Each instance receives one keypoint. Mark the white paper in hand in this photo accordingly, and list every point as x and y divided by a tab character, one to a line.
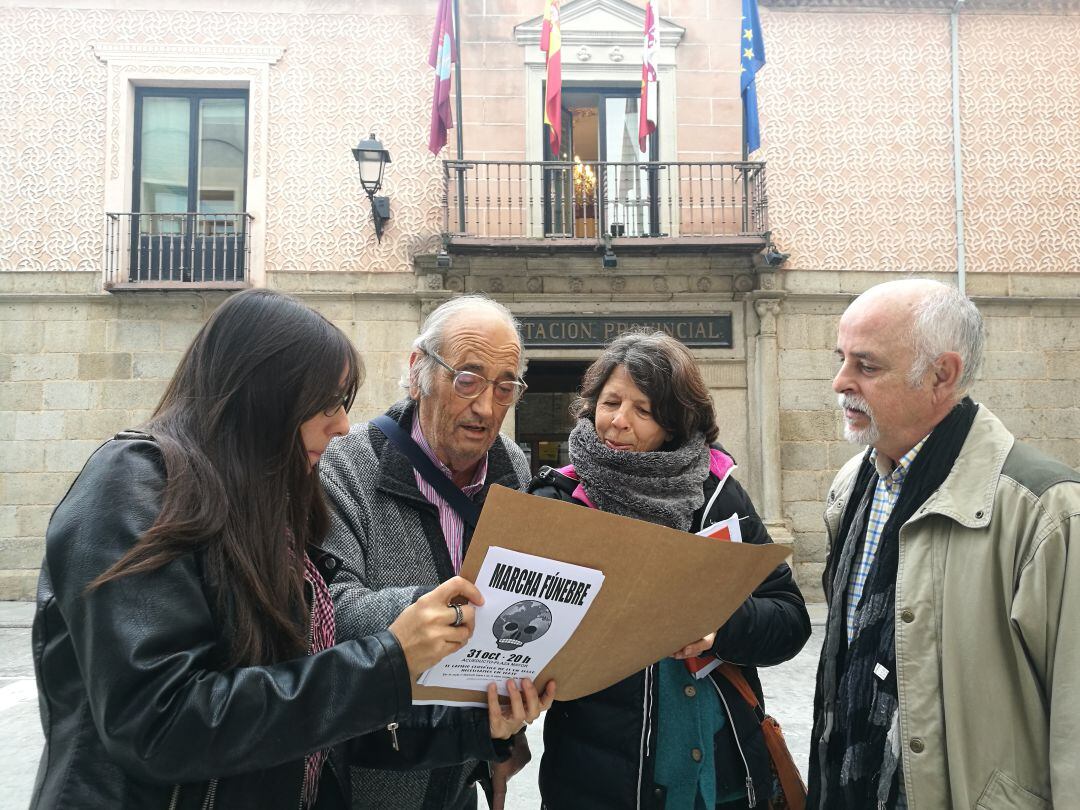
725	529
532	605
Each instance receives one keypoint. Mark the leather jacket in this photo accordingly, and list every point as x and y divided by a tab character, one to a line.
136	707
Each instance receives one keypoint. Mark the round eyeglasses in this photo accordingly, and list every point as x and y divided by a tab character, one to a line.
470	385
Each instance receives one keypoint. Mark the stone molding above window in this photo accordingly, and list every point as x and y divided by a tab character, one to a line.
147	65
600	23
966	6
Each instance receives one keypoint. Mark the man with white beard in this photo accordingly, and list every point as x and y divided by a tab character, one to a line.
950	669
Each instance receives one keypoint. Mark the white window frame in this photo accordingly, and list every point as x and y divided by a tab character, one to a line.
195	66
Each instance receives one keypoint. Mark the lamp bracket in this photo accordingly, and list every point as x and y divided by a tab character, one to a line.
380	214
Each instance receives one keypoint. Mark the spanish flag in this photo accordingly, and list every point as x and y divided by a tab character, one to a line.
551	45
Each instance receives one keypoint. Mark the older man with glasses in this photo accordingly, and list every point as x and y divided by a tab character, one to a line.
405	490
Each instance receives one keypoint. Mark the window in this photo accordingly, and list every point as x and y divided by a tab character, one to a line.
611	188
189	220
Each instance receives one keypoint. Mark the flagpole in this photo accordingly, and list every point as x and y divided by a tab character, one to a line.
745	153
745	170
460	121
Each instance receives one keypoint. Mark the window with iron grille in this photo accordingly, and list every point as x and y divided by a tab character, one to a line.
188	222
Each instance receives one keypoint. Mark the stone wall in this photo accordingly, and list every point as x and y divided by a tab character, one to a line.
1029	380
77	365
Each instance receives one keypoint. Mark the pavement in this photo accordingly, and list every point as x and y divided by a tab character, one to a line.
788	687
20	724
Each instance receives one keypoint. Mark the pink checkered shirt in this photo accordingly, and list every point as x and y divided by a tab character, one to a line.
322	638
453	527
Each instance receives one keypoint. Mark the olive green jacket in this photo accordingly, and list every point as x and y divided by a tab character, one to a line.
987	629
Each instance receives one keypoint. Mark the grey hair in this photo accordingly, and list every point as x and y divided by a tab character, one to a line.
433	336
947	321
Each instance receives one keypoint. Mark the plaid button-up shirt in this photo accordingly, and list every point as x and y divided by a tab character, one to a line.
453	527
885	496
323	633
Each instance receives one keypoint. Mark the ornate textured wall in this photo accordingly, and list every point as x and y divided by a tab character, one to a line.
342	75
52	141
855	113
856	109
855	106
1020	119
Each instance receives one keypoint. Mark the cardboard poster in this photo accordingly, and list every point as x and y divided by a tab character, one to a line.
532	606
662	588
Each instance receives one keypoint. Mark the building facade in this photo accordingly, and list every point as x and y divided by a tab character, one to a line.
157	157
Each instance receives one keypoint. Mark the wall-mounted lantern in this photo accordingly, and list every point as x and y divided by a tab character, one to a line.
371	158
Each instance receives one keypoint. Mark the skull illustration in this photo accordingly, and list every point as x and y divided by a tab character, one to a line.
521	623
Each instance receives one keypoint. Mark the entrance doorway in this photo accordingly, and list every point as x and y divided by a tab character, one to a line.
542	419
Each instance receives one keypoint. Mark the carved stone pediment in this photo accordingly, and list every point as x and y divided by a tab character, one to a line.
600	22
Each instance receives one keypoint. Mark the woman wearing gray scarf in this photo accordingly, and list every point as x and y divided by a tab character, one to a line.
663	738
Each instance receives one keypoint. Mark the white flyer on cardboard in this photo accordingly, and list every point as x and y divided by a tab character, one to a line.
532	605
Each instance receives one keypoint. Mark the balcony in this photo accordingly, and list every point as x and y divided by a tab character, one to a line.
182	250
553	205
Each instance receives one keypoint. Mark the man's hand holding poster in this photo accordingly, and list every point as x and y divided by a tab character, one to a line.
532	605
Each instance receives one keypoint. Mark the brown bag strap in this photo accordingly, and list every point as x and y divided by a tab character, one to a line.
738	680
791	781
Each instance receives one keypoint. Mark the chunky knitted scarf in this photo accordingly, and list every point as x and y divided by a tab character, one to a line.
662	486
861	763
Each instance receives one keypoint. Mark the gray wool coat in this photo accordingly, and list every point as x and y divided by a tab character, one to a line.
392	550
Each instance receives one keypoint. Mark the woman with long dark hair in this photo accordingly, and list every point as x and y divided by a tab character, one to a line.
644	447
184	639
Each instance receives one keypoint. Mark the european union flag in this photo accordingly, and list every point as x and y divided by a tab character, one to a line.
752	47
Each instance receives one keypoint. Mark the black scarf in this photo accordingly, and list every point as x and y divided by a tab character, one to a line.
862	759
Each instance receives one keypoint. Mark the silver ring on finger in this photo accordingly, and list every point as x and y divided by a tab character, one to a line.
459	616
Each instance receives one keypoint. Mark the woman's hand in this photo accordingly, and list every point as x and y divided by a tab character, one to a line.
695	648
426	630
505	721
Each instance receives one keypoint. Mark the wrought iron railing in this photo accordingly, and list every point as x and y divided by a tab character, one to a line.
177	249
591	200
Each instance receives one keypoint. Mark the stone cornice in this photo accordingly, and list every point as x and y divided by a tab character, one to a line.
122	53
967	6
1032	288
